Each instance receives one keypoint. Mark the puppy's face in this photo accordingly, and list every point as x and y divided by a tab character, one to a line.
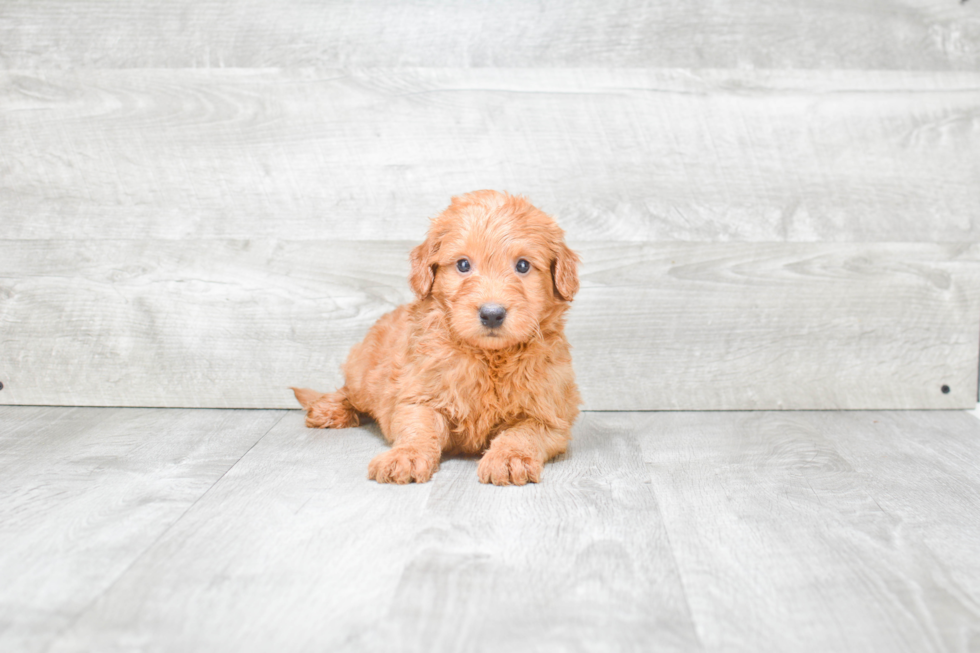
497	267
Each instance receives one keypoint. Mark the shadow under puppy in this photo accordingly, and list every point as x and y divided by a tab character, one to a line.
478	363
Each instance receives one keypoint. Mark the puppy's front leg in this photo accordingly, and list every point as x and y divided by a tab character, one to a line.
518	455
418	435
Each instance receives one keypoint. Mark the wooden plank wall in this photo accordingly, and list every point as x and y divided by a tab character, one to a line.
935	35
634	155
776	203
670	326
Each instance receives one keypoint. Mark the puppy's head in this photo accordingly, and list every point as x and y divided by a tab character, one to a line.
497	267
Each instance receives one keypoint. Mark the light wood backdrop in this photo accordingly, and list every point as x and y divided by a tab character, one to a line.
765	34
776	203
635	155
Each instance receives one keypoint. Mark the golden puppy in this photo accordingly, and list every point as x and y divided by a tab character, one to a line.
478	363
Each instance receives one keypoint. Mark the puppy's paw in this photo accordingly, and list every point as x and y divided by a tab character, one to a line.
402	465
508	468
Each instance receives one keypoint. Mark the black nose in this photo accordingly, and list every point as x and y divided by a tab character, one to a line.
492	315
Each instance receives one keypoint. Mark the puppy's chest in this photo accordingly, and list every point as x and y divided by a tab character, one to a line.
489	397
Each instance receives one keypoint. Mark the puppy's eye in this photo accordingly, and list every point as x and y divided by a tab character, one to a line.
522	266
463	265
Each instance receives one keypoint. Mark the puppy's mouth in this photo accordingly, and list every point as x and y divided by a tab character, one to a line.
496	339
492	339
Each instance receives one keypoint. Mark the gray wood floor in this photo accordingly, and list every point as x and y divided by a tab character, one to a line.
174	530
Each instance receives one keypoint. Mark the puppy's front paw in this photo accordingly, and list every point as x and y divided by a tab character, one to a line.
508	468
402	465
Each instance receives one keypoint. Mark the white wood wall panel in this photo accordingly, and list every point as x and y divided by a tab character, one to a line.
692	326
232	323
871	34
632	155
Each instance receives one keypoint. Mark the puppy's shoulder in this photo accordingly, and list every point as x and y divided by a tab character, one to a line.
392	321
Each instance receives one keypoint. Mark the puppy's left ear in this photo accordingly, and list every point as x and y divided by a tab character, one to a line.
564	271
423	273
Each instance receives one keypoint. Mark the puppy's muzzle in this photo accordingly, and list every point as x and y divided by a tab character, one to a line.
492	315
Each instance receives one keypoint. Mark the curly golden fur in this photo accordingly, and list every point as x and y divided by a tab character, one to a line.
440	376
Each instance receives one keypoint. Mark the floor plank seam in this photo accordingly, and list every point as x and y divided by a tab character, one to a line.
673	558
83	611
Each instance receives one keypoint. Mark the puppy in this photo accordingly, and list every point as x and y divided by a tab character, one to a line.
478	363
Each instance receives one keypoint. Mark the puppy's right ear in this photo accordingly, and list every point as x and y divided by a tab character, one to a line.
423	273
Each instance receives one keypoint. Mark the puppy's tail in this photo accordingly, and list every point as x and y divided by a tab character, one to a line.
306	397
330	410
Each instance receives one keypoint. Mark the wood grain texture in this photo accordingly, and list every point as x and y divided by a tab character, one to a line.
580	561
764	531
911	34
296	550
669	326
85	491
777	326
365	154
783	544
924	471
